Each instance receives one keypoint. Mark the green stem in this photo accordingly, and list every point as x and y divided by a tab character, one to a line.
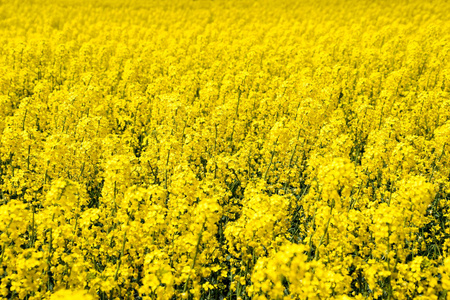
195	255
120	255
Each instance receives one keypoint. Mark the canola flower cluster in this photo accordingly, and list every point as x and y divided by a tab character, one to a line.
251	149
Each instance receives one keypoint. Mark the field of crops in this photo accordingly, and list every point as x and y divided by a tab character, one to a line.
224	149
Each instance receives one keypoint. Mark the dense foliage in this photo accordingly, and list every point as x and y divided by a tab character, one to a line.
282	149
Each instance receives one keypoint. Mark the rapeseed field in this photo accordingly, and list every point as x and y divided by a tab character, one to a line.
224	149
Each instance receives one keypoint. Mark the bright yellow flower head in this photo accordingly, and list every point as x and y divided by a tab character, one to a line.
71	295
